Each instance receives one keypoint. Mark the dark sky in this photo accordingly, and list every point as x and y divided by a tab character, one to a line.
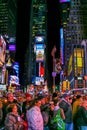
53	24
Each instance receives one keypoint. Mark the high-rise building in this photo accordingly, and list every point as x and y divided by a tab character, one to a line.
38	34
75	33
8	17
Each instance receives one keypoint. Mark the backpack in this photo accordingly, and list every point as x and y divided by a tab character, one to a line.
57	122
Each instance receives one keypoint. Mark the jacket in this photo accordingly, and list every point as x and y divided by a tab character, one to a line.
34	118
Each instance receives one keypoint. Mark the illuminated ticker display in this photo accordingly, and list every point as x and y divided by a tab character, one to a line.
64	1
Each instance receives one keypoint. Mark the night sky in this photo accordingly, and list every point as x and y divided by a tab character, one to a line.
53	24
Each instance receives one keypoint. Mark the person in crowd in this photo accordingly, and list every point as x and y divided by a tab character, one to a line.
1	113
34	116
45	111
26	104
81	116
10	100
65	104
13	120
56	121
75	107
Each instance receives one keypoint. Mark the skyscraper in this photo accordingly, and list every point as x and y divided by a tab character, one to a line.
74	50
8	17
38	41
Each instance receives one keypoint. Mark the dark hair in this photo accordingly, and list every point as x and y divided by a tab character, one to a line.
78	96
33	102
55	102
10	107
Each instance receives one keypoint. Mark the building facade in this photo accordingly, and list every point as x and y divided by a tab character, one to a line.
37	44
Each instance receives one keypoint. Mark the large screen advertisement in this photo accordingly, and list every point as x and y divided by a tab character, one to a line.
39	69
39	80
61	46
61	1
13	80
2	51
39	52
70	65
39	39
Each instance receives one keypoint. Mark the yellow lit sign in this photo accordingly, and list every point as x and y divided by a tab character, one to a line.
79	62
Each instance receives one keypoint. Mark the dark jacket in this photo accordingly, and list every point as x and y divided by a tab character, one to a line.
81	117
67	111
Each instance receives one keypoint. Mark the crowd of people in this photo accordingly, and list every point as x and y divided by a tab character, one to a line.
44	112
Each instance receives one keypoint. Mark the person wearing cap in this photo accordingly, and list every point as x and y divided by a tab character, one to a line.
65	104
26	104
34	116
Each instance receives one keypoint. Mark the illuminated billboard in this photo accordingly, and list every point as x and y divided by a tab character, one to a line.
12	47
70	65
39	39
14	80
39	52
61	46
61	1
39	80
2	51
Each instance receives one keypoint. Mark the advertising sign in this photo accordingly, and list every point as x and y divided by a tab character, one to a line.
39	80
2	51
14	80
61	1
39	39
39	52
12	47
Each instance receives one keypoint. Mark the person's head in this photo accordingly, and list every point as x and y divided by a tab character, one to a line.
66	97
28	97
38	102
85	97
43	99
70	99
54	96
10	97
79	97
55	102
84	104
51	105
12	108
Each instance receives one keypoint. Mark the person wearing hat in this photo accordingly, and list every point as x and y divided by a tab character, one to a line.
34	116
65	104
26	104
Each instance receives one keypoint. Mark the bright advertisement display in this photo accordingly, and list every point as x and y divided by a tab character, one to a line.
16	68
39	39
39	80
12	47
70	65
61	1
79	53
61	46
13	80
2	51
39	52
